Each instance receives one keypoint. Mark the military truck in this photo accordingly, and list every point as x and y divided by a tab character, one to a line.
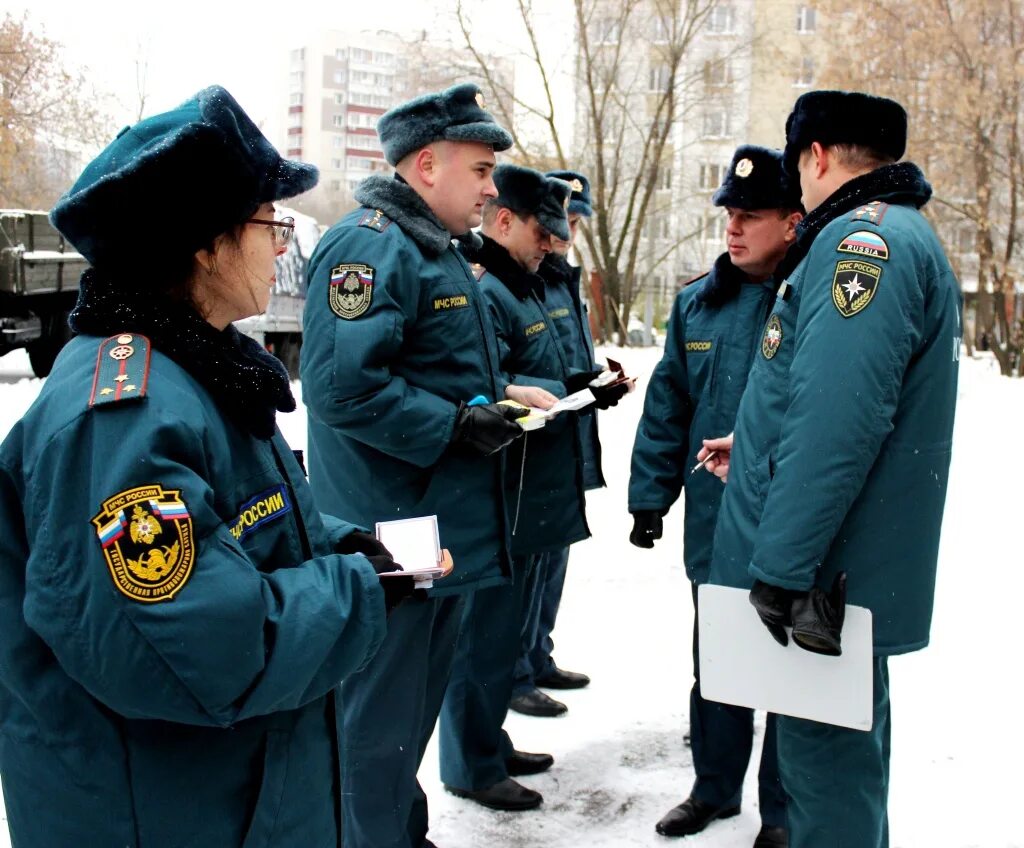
39	273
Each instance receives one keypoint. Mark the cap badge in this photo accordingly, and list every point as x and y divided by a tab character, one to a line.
576	185
480	99
744	168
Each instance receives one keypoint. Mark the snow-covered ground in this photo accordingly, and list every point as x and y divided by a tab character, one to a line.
626	620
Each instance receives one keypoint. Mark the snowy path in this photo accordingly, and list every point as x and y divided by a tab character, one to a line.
626	620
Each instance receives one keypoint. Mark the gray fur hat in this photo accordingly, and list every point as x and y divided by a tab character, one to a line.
530	192
456	114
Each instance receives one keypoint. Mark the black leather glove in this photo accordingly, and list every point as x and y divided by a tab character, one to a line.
396	589
818	618
359	542
581	381
487	427
646	528
606	396
774	607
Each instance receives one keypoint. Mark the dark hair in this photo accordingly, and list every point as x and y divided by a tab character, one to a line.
491	207
858	157
175	278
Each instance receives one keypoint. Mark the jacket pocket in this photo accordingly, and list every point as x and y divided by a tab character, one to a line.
271	791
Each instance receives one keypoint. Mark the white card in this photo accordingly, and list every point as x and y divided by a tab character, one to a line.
414	544
741	664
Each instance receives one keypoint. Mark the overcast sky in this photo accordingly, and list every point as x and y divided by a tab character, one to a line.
184	45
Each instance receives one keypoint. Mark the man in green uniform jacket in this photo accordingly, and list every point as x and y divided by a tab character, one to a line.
694	392
842	442
397	343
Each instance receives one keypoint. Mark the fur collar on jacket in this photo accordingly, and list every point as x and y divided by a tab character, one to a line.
902	183
499	262
722	284
248	384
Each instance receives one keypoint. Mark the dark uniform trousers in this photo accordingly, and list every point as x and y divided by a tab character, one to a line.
535	652
837	779
721	739
389	709
473	747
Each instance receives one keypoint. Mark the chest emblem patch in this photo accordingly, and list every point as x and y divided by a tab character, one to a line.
865	243
351	290
854	286
772	337
259	510
147	541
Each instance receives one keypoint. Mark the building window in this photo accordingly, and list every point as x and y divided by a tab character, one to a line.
298	56
658	78
339	98
295	79
722	20
717	73
383	58
607	31
656	227
661	29
341	53
714	228
804	77
295	140
338	121
364	142
805	19
295	98
664	182
337	141
339	77
364	57
711	176
337	164
359	163
295	119
966	239
335	185
716	124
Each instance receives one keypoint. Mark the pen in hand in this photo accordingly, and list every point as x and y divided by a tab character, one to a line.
702	463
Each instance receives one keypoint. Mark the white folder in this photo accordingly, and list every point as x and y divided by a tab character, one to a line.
741	664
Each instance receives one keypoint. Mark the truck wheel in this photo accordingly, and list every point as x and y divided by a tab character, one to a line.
43	351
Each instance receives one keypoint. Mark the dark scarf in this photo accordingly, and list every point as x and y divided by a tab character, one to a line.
902	183
499	262
249	384
722	284
556	270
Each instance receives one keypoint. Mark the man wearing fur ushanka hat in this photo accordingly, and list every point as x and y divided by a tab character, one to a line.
842	442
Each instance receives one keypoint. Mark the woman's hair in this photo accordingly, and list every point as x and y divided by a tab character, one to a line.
177	277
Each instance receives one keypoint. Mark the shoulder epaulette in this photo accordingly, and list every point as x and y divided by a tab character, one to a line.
478	270
872	212
696	279
374	219
122	370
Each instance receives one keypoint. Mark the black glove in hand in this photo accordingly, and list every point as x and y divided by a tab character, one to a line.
579	382
773	605
646	528
606	396
358	542
396	589
487	427
818	618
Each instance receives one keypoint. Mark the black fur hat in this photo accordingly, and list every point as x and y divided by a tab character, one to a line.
529	192
173	182
845	117
757	180
456	114
579	201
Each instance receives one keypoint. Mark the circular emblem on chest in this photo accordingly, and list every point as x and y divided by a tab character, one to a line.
772	337
744	168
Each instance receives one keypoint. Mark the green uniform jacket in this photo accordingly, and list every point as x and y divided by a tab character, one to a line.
396	336
693	395
544	491
567	315
843	437
173	620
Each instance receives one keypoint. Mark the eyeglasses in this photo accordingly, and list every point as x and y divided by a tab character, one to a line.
283	229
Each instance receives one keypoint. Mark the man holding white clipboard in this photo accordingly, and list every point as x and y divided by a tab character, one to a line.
842	445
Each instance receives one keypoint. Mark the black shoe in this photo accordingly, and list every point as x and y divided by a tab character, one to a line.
521	763
772	837
504	795
536	703
558	679
692	816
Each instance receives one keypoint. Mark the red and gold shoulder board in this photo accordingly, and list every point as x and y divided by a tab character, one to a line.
122	370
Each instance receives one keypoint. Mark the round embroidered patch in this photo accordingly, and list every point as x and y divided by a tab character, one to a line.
772	337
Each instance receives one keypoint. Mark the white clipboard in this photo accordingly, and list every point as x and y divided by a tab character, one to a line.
741	664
